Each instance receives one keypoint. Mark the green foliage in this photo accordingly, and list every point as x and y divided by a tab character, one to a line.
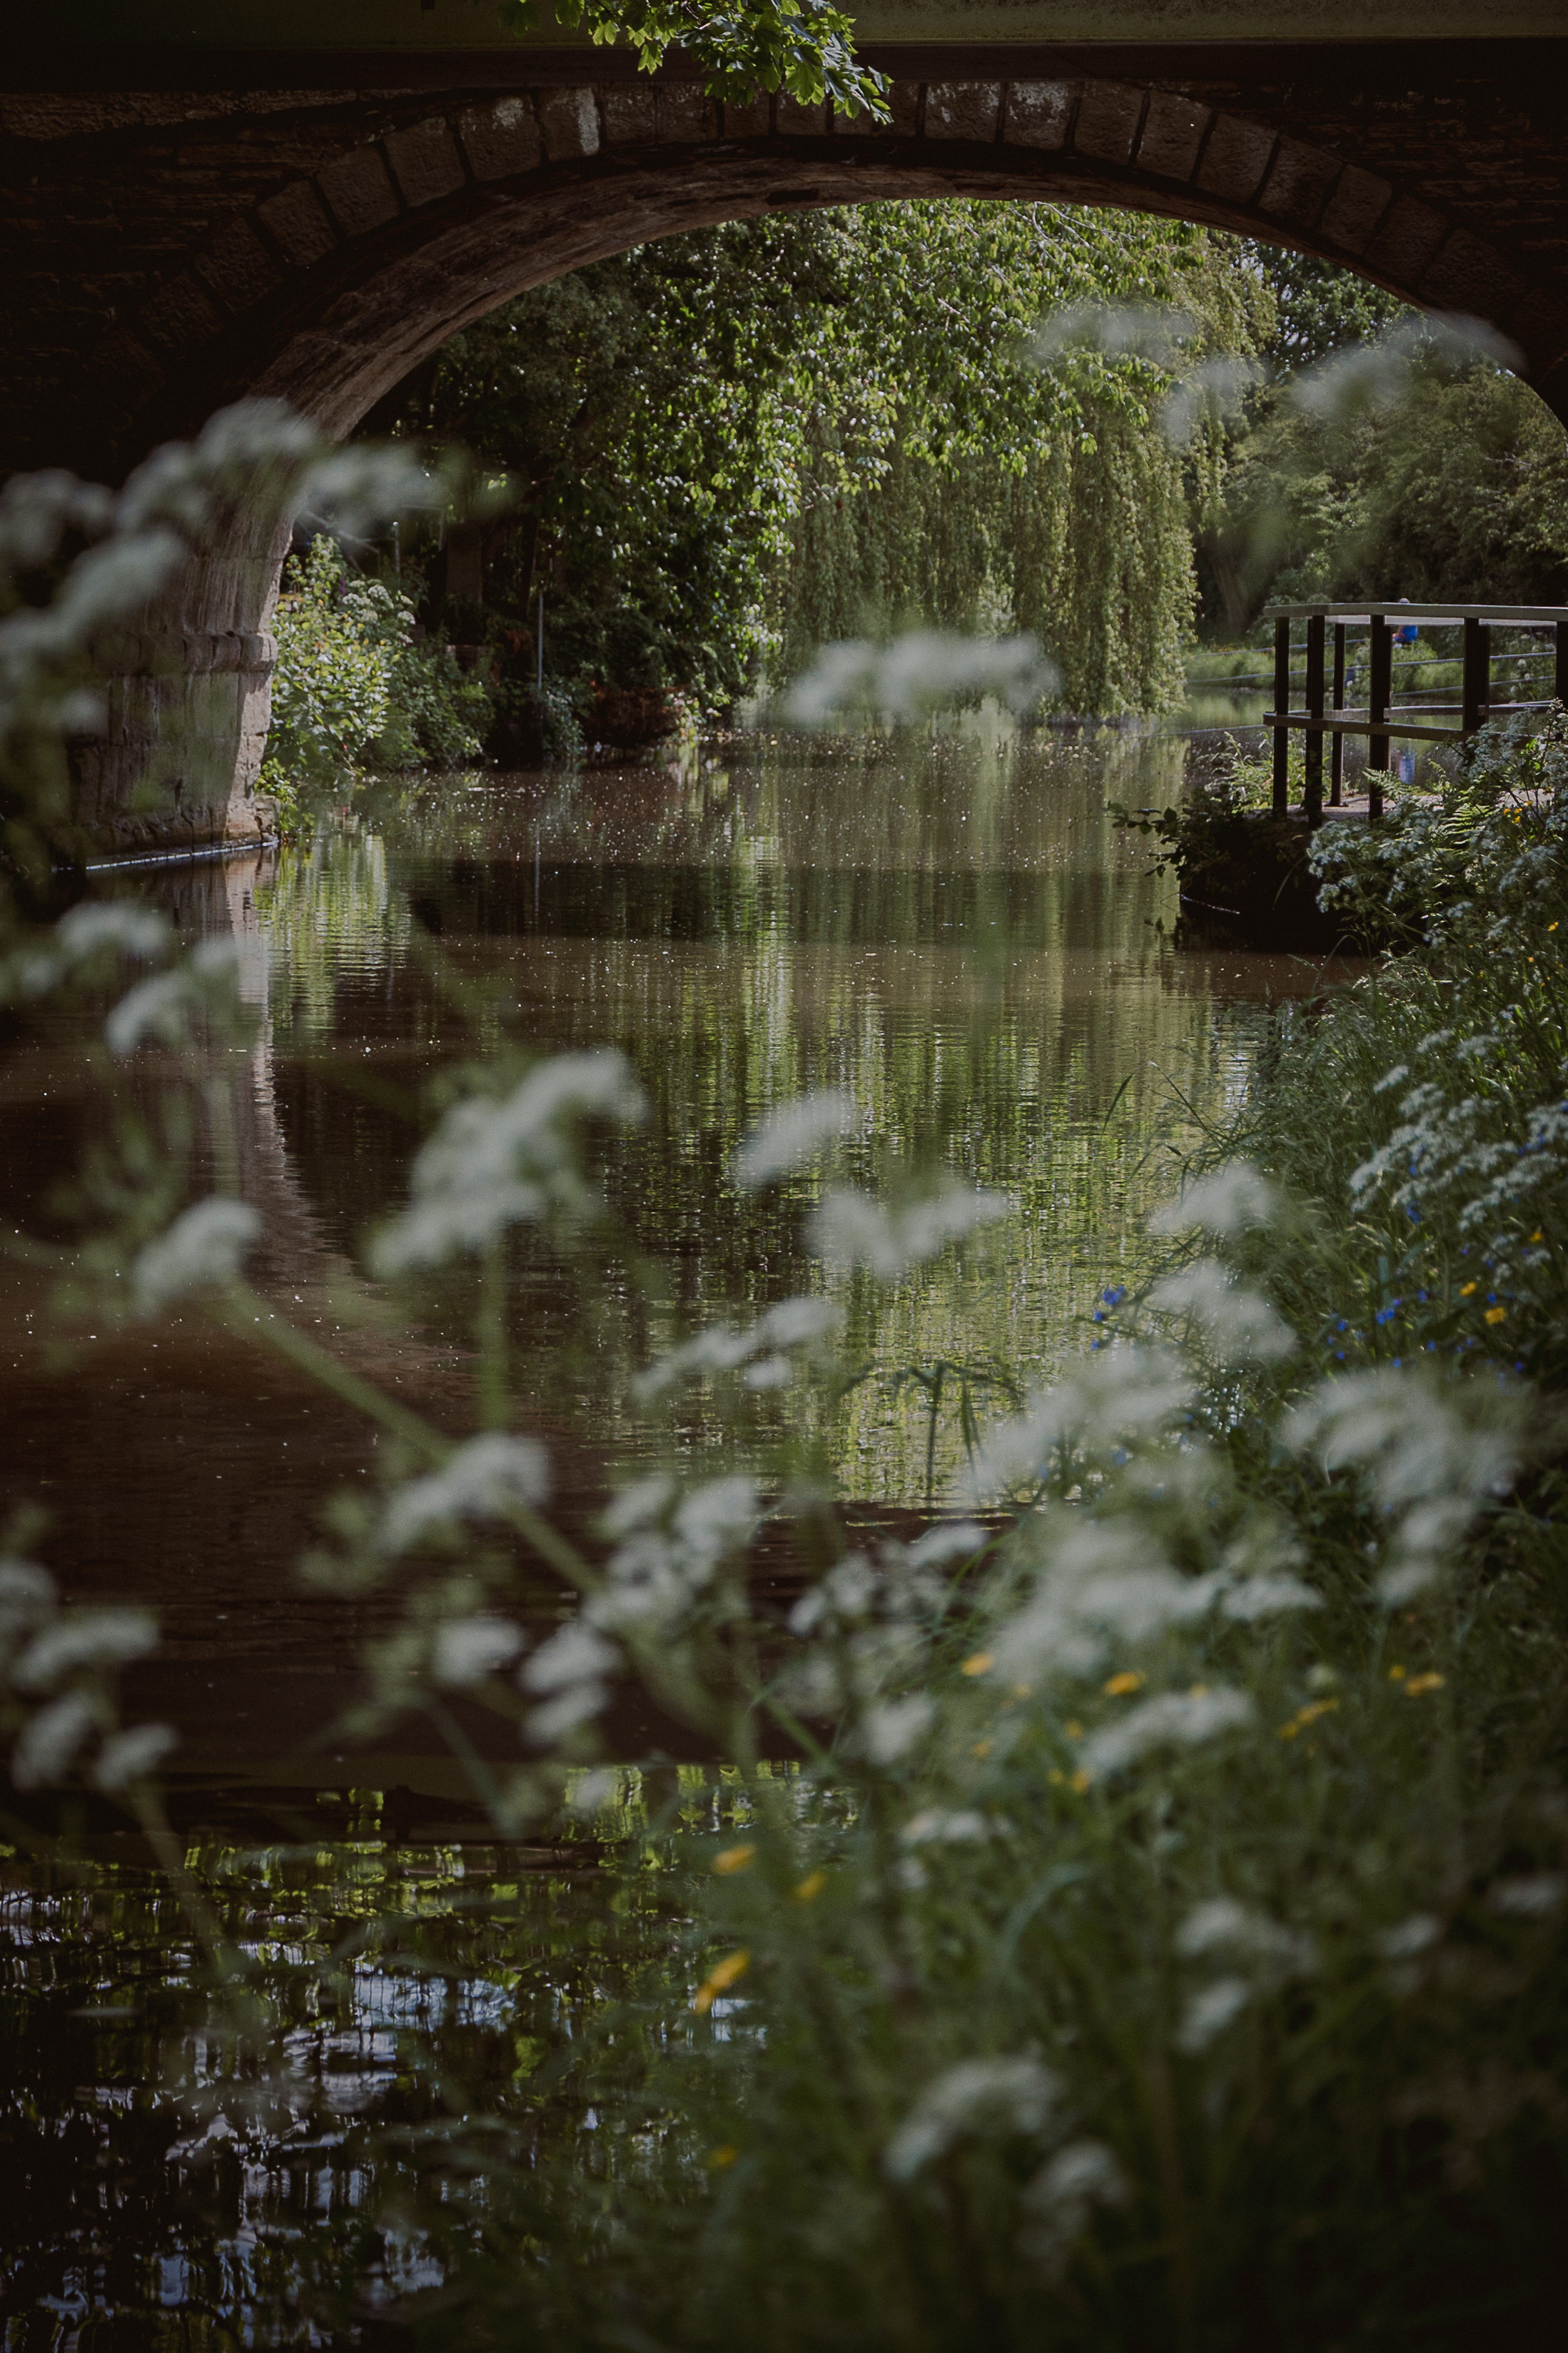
731	446
354	689
804	47
1414	468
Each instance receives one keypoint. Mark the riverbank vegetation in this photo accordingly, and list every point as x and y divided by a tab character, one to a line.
1129	1914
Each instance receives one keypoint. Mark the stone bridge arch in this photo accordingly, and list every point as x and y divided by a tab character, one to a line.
316	245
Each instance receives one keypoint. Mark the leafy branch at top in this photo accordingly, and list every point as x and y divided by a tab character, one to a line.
802	47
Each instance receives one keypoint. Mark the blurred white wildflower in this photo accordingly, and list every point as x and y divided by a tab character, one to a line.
951	1540
1155	332
995	2097
1226	1202
588	1793
51	1740
843	1596
1174	1720
202	1250
161	1007
569	1674
945	1826
916	674
1410	1937
1106	1585
87	1638
1208	2012
1530	1898
27	1595
1243	1934
791	1136
490	1164
483	1480
1239	1326
1210	392
790	1324
1429	1466
660	1572
890	1730
769	1373
132	1755
1267	1597
1059	2203
848	1229
1115	1397
117	927
467	1650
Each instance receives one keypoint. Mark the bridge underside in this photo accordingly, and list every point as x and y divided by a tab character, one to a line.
313	227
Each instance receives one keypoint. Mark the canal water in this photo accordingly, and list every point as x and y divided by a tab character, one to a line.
947	926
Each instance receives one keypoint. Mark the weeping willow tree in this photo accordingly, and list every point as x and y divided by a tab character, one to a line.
958	467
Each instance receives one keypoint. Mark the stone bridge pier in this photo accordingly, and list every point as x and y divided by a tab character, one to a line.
184	225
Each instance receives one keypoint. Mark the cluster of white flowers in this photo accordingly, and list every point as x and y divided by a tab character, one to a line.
1256	1953
84	936
672	1543
164	1007
993	2097
917	673
483	1479
1237	1326
491	1165
850	1228
758	1354
1431	1454
202	1250
60	1659
1118	1397
569	1676
791	1136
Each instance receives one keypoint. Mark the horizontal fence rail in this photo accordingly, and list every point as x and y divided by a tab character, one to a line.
1381	717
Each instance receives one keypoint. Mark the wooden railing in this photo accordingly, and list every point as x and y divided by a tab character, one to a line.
1328	714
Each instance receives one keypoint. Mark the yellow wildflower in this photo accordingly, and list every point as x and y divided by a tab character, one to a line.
1398	1675
1537	1236
1419	1683
1467	1287
1074	1730
719	1977
811	1887
981	1748
1552	927
1306	1715
1496	1314
1055	1776
733	1858
1128	1680
1020	1691
980	1665
1197	1690
717	2158
1081	1780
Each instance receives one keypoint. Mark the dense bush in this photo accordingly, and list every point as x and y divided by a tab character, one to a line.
354	687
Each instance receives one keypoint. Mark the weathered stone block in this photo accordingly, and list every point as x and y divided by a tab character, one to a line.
182	314
1234	163
1108	118
568	122
501	139
425	161
358	192
903	110
1357	205
755	120
1299	180
237	268
629	118
298	224
1407	242
1468	276
1173	133
685	112
1038	113
800	121
963	109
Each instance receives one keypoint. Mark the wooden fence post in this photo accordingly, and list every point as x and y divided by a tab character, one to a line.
1312	788
1475	691
1380	690
1281	713
1337	742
